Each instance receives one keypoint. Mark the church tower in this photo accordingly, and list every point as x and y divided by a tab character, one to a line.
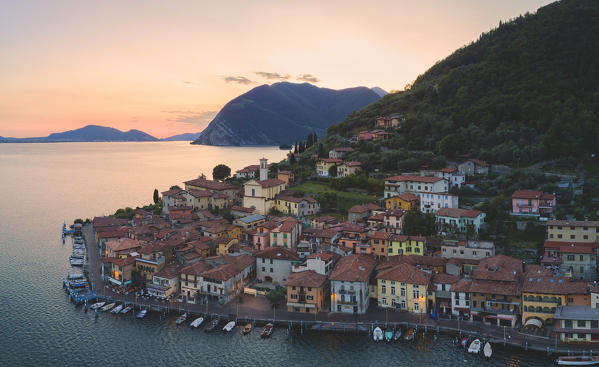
263	169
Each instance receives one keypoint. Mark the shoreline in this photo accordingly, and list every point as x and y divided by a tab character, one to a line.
253	310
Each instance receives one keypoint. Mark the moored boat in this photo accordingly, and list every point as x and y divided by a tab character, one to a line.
141	314
377	334
197	322
578	361
117	309
388	335
212	326
230	325
487	350
126	309
247	329
181	319
97	305
397	335
463	342
409	335
108	306
267	331
474	347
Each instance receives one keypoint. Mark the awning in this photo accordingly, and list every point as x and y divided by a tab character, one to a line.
534	322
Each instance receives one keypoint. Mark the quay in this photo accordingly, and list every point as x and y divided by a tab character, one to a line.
257	310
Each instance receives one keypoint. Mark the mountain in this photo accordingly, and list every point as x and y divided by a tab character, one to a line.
526	91
380	91
282	113
183	137
89	133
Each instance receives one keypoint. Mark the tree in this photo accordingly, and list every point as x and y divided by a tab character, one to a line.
296	150
449	145
276	295
309	140
333	171
315	138
220	172
156	196
175	187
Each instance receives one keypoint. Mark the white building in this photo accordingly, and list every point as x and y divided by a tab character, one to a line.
460	298
321	263
165	283
260	195
350	284
451	174
470	249
273	265
430	202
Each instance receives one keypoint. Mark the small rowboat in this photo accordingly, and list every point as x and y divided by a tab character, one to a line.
97	305
267	331
181	319
126	309
388	335
409	335
197	322
117	309
474	347
229	326
397	335
578	361
247	329
141	314
487	350
108	307
377	334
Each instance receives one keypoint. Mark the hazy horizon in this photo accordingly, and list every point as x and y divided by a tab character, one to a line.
167	70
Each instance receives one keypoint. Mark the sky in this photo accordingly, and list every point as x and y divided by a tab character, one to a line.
167	67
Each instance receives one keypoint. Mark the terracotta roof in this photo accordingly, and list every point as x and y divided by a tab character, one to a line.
324	256
352	164
463	285
441	278
271	182
151	248
448	170
228	271
498	267
331	160
122	261
196	268
423	260
122	244
381	236
573	223
526	194
395	213
358	209
111	233
425	179
200	193
306	278
288	225
495	287
577	249
456	213
278	253
405	273
353	268
170	271
210	184
408	196
553	285
325	219
478	162
108	222
269	225
172	192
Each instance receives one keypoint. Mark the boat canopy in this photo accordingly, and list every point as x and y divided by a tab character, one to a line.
534	322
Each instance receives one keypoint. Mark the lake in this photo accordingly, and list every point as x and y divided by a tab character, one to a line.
42	185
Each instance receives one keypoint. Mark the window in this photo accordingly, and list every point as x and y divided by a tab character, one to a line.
581	323
570	257
559	236
572	236
582	336
393	291
581	257
264	269
416	306
568	323
271	270
383	289
416	293
403	292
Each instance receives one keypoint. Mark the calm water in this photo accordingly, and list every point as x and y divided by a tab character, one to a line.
43	184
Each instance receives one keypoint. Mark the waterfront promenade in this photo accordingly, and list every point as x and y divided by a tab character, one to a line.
259	310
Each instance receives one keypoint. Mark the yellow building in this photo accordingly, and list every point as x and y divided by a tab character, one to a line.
406	245
405	201
307	291
348	168
297	206
323	165
403	287
223	244
541	296
573	231
286	176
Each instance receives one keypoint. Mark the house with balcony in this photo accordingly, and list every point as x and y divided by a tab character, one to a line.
274	264
533	204
575	259
459	220
441	285
227	277
403	287
286	234
350	281
308	292
467	249
261	239
577	324
393	220
190	281
460	298
400	184
118	272
165	283
152	258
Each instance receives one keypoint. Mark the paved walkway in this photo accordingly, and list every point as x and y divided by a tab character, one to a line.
258	308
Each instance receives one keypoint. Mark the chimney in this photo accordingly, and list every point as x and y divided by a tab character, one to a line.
263	169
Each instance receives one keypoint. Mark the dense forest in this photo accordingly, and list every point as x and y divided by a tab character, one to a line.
525	92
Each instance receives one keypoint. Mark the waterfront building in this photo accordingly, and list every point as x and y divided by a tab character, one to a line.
459	220
190	281
227	277
261	194
307	291
152	258
474	167
406	201
121	247
460	298
467	249
118	272
165	283
577	324
403	287
350	281
441	285
533	204
273	265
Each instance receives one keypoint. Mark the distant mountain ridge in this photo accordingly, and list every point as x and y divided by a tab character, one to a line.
282	113
89	133
183	137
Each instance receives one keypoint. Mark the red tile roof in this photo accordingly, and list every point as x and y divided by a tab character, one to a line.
496	287
353	268
405	273
526	194
306	278
210	184
122	244
271	182
278	253
456	213
425	179
331	160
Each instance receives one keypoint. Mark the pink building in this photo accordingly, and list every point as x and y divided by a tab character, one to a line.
261	239
533	203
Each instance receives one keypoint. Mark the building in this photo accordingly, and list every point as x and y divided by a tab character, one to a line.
286	234
165	283
323	222
393	220
322	262
323	165
152	258
387	122
533	204
118	272
442	285
190	281
121	247
350	284
406	201
286	176
247	172
467	249
358	213
227	277
460	298
577	324
379	242
403	287
432	202
459	220
297	206
414	184
260	195
250	221
576	259
215	187
273	265
473	167
340	152
346	169
406	245
307	291
574	231
261	239
224	244
451	174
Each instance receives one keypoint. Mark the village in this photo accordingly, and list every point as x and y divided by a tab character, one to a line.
215	241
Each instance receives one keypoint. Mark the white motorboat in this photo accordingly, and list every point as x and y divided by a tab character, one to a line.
377	334
126	309
108	306
117	309
142	313
487	350
181	319
97	305
229	326
197	322
474	346
578	361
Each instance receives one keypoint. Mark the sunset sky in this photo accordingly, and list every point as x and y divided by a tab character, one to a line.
167	67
